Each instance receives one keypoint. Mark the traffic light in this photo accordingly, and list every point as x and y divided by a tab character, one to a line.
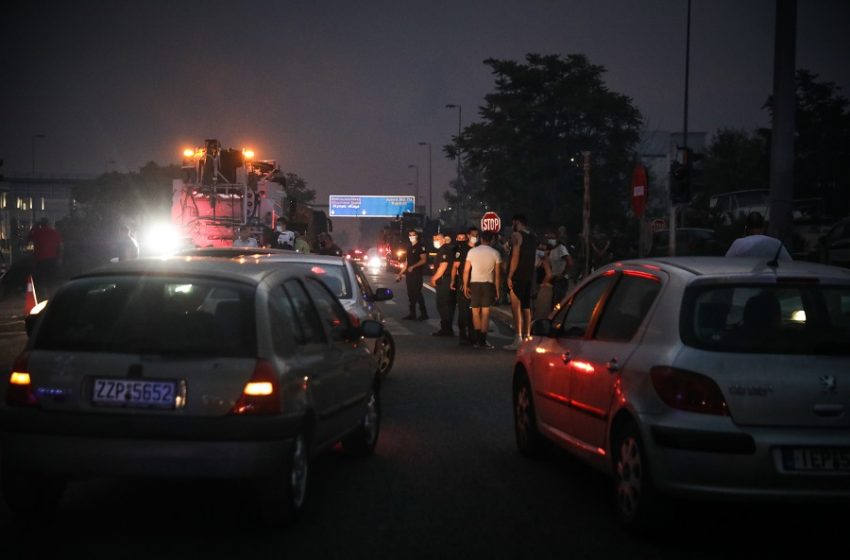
680	183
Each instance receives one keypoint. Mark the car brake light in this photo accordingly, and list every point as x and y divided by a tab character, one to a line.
19	392
261	394
686	390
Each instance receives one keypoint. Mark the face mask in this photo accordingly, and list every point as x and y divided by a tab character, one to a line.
473	239
540	254
412	240
280	228
552	242
437	244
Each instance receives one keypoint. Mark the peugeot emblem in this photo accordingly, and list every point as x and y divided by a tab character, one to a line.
828	382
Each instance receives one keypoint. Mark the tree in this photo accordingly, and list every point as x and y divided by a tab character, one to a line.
734	160
296	188
822	142
541	115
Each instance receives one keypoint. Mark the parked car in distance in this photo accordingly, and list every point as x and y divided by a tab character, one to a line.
835	245
703	376
345	278
690	242
188	368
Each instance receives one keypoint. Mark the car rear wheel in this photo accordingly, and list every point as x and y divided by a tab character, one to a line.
385	351
362	441
529	441
283	498
638	505
32	495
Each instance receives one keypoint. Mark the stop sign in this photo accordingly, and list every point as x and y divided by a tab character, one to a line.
491	222
639	190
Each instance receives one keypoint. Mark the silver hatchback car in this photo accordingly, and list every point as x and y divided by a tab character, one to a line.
705	376
188	368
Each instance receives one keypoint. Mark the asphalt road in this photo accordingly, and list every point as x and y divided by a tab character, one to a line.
445	482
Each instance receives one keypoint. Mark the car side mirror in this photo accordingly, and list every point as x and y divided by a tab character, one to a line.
541	327
371	329
382	294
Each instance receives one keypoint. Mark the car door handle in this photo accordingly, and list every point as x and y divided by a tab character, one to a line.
566	357
613	366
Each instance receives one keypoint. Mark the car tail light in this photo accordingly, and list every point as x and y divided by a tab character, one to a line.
261	395
686	390
19	392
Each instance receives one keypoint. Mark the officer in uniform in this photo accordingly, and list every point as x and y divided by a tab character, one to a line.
441	280
465	242
413	271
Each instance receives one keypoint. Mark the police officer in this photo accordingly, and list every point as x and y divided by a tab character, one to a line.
465	242
441	280
413	270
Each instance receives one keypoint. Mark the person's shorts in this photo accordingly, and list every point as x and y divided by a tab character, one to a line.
482	294
522	290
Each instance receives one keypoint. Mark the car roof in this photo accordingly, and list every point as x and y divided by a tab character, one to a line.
230	252
247	269
738	266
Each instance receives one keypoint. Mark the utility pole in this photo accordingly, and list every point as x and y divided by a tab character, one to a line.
684	146
585	218
782	133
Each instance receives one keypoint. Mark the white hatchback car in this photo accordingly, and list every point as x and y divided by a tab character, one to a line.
705	376
188	368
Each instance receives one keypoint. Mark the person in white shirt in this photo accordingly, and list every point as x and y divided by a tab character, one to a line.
284	238
243	238
756	244
481	281
561	262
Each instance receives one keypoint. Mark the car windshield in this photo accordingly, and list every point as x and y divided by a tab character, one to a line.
151	315
773	319
333	275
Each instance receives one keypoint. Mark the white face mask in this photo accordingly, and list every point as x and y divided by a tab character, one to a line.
280	228
473	239
412	240
540	254
437	244
552	242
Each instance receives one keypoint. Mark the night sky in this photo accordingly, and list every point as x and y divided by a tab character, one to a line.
341	92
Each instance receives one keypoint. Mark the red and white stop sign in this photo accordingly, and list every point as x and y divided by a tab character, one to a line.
491	222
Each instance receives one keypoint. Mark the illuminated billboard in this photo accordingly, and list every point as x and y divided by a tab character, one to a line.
369	206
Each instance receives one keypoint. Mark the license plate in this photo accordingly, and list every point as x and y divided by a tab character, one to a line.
816	459
134	393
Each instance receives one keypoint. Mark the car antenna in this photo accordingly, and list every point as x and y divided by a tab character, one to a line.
774	262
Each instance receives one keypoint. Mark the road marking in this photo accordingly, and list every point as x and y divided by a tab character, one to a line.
397	329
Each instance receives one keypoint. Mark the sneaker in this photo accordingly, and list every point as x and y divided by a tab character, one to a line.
485	345
514	345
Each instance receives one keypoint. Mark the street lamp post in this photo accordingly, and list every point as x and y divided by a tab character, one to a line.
430	183
457	144
34	136
416	167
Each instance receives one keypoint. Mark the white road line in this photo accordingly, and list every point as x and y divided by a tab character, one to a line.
395	328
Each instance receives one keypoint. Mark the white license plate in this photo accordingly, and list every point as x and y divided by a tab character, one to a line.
135	393
817	459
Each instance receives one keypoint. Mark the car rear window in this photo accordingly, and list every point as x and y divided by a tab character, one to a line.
332	275
774	319
151	315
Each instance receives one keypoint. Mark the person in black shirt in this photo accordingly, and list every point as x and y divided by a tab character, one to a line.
465	242
413	271
520	277
441	280
327	246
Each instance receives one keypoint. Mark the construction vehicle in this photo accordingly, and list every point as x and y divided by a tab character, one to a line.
223	189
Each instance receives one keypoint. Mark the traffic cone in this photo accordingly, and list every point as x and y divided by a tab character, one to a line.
30	300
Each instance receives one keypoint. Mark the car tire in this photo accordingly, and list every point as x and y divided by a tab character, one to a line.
385	352
638	505
364	438
32	495
283	498
529	441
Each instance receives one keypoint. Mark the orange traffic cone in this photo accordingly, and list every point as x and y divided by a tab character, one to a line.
30	300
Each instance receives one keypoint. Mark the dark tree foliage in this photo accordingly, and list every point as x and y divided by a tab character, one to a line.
822	142
734	160
526	146
296	187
